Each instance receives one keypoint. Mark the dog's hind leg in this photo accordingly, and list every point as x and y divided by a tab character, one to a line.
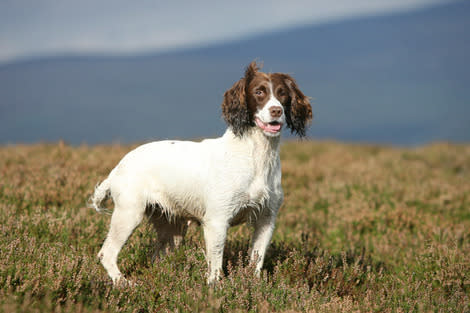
123	222
170	233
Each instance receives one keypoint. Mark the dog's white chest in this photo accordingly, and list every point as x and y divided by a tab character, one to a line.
258	191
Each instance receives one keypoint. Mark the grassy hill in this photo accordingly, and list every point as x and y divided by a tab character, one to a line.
362	228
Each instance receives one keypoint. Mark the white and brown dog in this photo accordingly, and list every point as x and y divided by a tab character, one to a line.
218	182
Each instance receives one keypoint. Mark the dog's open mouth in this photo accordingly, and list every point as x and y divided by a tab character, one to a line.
271	127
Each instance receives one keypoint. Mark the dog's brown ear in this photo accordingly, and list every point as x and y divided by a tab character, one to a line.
235	107
251	70
298	111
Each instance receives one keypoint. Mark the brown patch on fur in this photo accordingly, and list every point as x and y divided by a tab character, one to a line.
298	109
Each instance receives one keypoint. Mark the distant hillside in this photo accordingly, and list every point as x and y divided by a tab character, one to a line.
399	79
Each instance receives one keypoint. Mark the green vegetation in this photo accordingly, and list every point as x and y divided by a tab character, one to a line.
362	229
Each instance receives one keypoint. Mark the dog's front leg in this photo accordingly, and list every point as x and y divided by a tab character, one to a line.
264	227
215	234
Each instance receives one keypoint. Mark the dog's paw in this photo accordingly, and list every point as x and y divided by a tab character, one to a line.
122	282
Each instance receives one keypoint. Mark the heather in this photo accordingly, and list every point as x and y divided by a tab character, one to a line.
364	228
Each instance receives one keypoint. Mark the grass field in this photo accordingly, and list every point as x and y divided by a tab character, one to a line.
363	228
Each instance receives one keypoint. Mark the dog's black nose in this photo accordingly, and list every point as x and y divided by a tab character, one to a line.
275	111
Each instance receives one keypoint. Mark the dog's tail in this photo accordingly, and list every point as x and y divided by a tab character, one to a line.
102	191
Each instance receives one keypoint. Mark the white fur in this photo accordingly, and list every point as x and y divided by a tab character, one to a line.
218	182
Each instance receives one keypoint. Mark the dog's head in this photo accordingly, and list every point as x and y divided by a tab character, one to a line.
267	101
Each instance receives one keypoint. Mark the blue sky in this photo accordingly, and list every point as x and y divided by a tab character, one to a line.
378	71
31	28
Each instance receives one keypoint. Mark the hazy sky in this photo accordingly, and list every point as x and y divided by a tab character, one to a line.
31	28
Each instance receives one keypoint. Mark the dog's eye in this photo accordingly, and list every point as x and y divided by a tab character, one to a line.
259	92
281	92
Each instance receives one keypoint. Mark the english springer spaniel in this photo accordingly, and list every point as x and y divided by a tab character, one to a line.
218	182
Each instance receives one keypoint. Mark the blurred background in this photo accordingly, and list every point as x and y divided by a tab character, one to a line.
388	72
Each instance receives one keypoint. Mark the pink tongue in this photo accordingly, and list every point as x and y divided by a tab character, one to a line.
273	128
268	127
